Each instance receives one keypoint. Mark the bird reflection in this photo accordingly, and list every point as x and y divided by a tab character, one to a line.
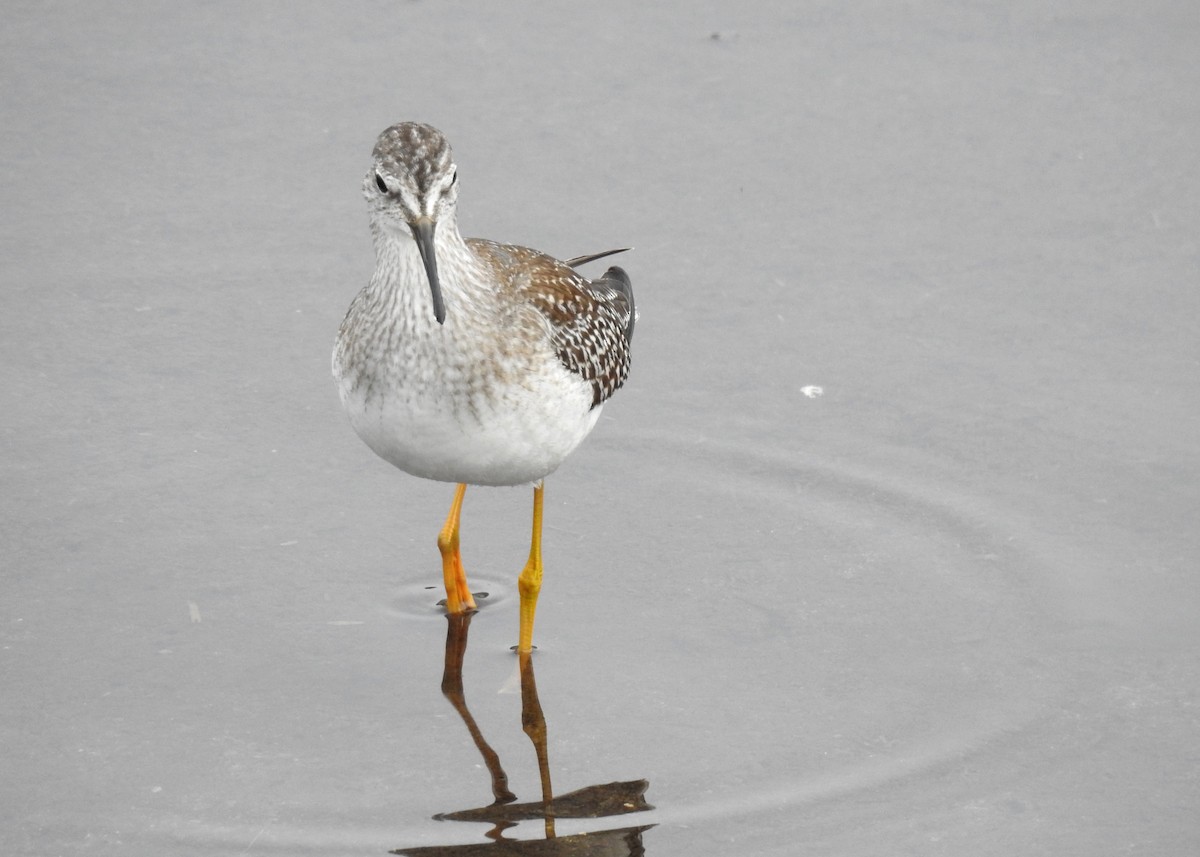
597	801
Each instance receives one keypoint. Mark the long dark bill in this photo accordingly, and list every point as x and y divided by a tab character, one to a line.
422	231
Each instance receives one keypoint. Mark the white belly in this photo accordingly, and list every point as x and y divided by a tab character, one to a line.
508	436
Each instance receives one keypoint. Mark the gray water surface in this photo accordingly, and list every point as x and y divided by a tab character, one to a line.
889	545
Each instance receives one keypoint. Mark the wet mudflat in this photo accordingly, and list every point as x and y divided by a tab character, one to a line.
888	546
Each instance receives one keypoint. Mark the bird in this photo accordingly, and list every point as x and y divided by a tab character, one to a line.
470	361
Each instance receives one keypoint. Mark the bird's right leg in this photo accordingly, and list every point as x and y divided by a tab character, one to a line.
458	596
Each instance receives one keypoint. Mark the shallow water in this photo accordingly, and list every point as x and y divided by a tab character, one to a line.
887	547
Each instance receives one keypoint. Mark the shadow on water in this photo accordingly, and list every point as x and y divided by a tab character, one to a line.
599	801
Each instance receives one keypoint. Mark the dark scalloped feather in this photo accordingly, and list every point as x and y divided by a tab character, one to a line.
591	320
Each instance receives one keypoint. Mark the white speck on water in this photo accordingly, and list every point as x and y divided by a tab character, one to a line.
812	391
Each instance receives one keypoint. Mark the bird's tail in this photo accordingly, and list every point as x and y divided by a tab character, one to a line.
617	280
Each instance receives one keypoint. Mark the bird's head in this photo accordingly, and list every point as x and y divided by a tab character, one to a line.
412	186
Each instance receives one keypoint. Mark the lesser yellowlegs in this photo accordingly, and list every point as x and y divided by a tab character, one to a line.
469	361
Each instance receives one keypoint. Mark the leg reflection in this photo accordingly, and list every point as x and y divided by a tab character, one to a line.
533	722
452	689
597	801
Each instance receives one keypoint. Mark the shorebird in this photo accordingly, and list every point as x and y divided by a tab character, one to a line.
470	361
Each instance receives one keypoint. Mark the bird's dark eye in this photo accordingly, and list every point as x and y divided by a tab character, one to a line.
380	183
453	178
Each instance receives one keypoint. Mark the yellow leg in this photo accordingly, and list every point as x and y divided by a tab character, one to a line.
529	584
458	596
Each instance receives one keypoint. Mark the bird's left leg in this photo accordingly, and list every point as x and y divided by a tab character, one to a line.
529	584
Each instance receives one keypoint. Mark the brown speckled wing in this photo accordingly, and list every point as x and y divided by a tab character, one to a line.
591	321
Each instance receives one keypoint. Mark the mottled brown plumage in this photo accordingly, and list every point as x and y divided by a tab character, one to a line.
591	321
